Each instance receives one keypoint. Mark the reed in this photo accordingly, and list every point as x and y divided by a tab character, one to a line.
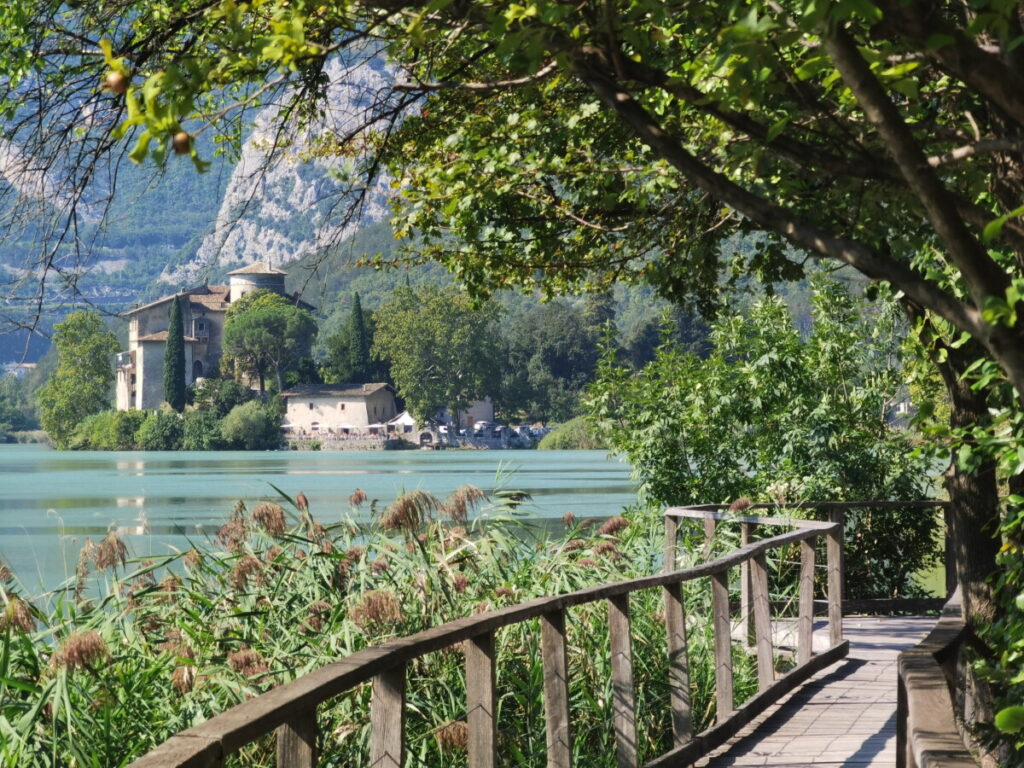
169	643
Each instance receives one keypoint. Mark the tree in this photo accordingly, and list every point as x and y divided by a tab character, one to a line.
348	357
560	146
252	426
264	335
774	417
174	359
16	409
161	431
81	383
443	351
359	343
550	355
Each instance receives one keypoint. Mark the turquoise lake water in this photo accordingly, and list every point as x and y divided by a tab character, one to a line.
51	501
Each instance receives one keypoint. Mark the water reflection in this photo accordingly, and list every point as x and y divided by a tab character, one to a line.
50	502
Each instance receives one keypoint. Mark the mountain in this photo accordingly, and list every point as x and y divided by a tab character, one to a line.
171	227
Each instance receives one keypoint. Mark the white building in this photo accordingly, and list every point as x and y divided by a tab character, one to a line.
339	409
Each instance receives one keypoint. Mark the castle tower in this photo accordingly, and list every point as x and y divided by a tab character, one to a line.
253	277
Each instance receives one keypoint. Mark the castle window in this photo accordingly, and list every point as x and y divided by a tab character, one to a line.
201	329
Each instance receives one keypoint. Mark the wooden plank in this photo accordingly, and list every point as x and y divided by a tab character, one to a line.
623	697
183	751
762	622
556	689
717	735
746	612
834	552
387	719
723	644
296	741
481	714
678	664
805	623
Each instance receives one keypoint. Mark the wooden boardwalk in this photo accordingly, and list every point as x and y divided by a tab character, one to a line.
844	716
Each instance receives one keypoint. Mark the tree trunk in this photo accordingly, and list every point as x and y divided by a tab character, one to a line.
974	495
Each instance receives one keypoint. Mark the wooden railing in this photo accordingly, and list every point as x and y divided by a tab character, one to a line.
291	709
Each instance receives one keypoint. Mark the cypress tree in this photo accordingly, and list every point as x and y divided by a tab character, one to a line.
174	359
359	343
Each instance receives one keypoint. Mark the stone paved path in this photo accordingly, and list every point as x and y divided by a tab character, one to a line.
844	716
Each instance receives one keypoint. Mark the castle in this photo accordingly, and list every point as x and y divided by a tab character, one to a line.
140	368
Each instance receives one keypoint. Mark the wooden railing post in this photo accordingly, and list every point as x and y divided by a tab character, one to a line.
556	689
834	551
623	696
762	622
746	614
723	644
805	620
671	543
678	664
296	741
837	514
952	580
387	719
481	716
710	525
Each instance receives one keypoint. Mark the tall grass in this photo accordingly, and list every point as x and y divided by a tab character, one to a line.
97	681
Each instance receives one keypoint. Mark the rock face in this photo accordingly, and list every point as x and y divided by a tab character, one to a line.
298	204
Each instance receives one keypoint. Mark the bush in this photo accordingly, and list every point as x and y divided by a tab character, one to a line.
775	416
108	431
252	426
161	431
201	431
221	395
575	434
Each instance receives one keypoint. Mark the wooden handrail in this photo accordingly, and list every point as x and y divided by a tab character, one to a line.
291	708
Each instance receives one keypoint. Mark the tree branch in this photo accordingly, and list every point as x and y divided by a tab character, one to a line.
982	70
775	218
982	275
493	85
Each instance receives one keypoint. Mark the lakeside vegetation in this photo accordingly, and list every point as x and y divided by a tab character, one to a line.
131	652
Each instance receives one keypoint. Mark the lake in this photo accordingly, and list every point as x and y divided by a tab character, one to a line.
51	501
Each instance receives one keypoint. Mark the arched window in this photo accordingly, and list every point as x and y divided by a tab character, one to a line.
197	369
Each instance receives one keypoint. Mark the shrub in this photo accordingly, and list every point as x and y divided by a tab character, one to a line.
161	431
108	431
221	395
252	426
201	431
575	434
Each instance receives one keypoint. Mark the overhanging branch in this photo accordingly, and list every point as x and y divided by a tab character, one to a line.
773	217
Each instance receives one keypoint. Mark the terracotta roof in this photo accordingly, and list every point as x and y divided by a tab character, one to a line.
162	336
336	390
206	295
259	268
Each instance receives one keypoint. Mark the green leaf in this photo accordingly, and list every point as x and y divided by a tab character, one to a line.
995	227
1010	720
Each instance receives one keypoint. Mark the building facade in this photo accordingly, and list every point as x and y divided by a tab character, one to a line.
140	368
339	410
